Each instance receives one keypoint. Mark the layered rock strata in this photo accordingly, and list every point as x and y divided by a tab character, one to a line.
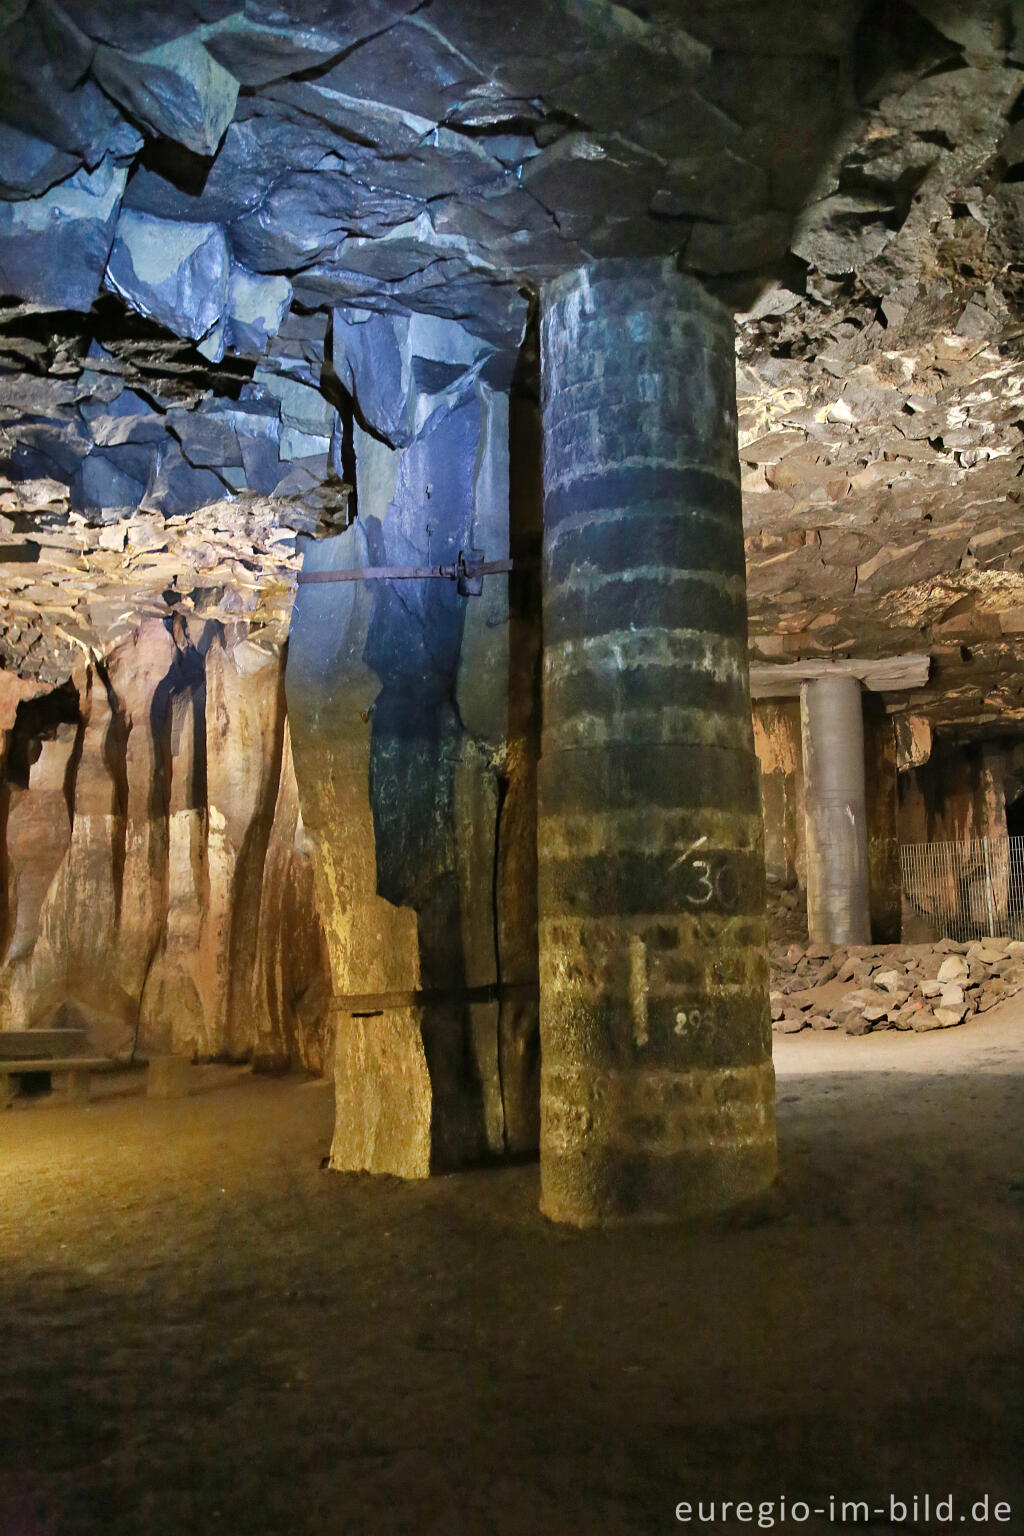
880	385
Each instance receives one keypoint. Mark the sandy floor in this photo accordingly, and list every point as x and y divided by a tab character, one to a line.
202	1332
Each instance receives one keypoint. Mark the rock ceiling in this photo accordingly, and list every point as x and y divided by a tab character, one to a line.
212	214
882	406
214	161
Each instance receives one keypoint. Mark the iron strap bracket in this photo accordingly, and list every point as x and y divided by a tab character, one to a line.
366	1004
467	572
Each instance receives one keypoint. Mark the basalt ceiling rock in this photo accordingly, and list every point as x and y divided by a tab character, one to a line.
295	136
143	422
234	172
295	198
54	249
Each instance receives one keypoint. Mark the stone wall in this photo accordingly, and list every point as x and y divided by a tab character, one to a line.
961	792
777	744
882	804
156	884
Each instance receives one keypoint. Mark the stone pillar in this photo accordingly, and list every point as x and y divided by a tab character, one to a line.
657	1096
832	728
398	705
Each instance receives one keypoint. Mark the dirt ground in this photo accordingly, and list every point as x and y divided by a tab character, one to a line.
203	1332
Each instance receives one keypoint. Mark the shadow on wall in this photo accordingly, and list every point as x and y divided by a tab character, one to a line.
156	885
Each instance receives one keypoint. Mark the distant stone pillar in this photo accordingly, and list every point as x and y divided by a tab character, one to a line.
832	728
657	1096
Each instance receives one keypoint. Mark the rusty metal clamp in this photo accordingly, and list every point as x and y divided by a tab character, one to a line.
467	572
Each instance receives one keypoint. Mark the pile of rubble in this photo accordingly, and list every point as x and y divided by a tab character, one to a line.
902	986
786	916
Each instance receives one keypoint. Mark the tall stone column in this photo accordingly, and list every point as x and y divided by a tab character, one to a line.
657	1096
832	729
406	762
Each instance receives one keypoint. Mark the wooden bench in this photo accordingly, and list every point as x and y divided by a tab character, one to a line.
19	1044
70	1076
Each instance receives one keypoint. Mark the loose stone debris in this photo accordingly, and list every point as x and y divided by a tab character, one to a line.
862	989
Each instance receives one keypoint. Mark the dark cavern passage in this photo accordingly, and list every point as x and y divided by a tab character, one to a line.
511	704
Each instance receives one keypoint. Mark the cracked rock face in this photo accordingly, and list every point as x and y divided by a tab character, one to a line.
882	406
213	162
319	198
72	591
157	888
226	228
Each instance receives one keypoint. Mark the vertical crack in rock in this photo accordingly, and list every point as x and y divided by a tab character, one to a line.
137	906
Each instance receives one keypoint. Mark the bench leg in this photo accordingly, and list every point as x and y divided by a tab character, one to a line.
169	1077
6	1091
72	1086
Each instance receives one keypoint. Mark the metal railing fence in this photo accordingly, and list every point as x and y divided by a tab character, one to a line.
967	890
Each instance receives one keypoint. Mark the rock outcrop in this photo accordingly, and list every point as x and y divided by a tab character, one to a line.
374	157
72	588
